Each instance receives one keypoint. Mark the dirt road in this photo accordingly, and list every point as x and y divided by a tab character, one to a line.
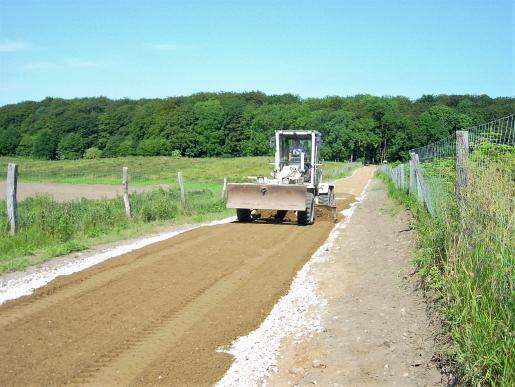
376	332
65	192
158	314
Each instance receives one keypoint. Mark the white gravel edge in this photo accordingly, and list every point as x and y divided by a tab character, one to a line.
255	355
25	283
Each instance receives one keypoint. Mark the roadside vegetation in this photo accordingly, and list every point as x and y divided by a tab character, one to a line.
47	228
466	259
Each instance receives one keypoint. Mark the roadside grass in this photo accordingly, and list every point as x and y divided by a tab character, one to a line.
47	228
466	258
199	173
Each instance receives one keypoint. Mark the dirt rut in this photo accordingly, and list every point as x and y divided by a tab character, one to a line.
158	314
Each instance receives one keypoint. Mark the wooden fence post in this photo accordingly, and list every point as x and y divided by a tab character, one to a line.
423	191
125	184
462	150
10	196
224	190
181	186
411	177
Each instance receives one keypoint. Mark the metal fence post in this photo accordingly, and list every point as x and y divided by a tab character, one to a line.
11	188
402	177
462	150
412	178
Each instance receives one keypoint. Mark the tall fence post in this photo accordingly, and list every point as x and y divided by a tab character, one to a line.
462	150
423	191
412	177
125	184
10	196
224	190
181	187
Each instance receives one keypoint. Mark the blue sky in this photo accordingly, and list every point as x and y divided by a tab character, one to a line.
312	48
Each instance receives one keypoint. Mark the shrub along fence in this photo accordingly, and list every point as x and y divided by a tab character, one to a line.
466	182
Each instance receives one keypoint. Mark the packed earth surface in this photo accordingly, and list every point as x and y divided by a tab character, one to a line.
375	329
161	314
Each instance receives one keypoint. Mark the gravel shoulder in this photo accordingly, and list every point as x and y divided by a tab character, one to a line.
375	329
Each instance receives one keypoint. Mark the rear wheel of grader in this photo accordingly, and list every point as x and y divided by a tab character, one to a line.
243	215
332	200
308	216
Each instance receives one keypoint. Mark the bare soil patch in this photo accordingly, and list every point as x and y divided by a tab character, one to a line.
158	314
66	192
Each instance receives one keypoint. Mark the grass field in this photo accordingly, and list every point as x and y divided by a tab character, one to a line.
49	228
198	172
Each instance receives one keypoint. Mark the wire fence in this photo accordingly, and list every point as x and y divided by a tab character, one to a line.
142	171
468	166
68	179
343	169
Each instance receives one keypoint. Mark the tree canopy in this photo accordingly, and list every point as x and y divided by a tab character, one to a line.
360	127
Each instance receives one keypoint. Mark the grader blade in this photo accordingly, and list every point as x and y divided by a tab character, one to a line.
266	196
326	211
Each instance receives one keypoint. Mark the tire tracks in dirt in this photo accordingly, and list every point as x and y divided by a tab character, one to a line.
59	291
161	336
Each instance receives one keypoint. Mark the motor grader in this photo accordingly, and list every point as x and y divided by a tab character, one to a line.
295	184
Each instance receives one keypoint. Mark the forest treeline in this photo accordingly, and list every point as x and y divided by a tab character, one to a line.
361	127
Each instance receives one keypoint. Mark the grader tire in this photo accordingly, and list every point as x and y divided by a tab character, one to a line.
243	215
327	199
323	199
308	216
280	214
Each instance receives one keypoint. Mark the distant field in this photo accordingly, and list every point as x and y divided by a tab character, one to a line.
199	173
